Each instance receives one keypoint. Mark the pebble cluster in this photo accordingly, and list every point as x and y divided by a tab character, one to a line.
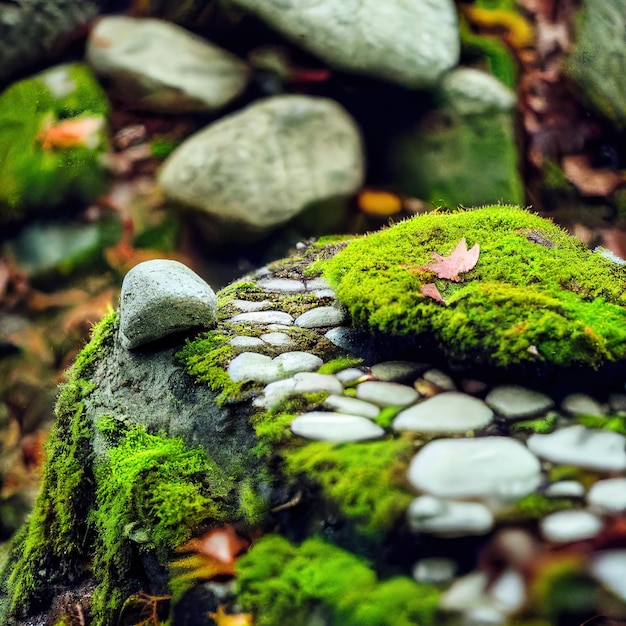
469	473
482	449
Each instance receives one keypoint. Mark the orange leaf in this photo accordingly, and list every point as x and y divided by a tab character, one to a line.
461	260
430	291
69	133
221	544
224	619
375	202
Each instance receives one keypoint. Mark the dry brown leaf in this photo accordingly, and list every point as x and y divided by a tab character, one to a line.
225	619
461	260
430	291
588	180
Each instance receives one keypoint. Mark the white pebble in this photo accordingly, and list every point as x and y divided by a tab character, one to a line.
336	427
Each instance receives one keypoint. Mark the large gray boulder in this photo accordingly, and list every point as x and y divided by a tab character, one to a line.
156	66
410	42
256	169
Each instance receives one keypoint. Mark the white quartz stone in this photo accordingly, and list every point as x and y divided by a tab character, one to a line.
608	496
601	450
495	468
337	427
386	394
352	406
245	342
609	568
432	515
566	526
262	317
446	412
514	402
321	317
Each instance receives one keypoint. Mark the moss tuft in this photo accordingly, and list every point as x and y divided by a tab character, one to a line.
365	480
535	294
283	584
616	423
58	533
151	495
340	363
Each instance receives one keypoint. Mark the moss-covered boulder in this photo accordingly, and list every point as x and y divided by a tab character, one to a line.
53	135
535	294
178	490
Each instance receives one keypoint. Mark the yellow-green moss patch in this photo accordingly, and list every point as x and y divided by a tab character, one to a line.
536	293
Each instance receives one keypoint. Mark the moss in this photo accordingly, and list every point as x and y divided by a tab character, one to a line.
536	294
543	425
58	532
365	480
151	494
387	414
207	358
537	506
283	584
616	423
340	363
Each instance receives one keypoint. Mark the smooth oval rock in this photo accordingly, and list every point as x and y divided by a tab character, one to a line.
608	496
337	427
352	406
410	43
253	170
321	317
445	412
163	297
515	402
601	450
386	394
609	567
452	519
262	317
566	526
495	468
154	65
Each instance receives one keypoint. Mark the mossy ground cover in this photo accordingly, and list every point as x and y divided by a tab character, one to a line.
286	584
536	294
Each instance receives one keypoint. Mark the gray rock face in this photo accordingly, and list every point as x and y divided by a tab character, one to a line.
254	170
410	42
160	298
599	56
157	66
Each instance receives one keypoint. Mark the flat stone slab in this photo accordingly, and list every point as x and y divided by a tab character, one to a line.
321	317
608	496
452	412
337	427
250	366
303	382
154	65
494	468
352	406
567	526
262	317
162	297
601	450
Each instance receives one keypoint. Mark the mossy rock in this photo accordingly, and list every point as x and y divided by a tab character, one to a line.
535	295
43	163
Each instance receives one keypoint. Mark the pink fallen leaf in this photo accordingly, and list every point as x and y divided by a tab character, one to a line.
430	291
461	260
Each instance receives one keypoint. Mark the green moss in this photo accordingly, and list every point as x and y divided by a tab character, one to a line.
537	506
207	358
540	425
615	423
365	480
340	363
32	177
283	584
151	495
534	291
58	533
387	414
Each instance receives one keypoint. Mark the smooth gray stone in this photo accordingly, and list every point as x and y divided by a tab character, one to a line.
498	469
255	169
352	406
386	394
456	519
246	306
250	366
284	285
601	450
302	382
436	570
245	342
440	379
315	284
565	489
451	412
515	402
609	567
291	363
337	427
262	317
321	317
154	65
163	297
408	42
608	496
276	339
581	404
398	371
567	526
